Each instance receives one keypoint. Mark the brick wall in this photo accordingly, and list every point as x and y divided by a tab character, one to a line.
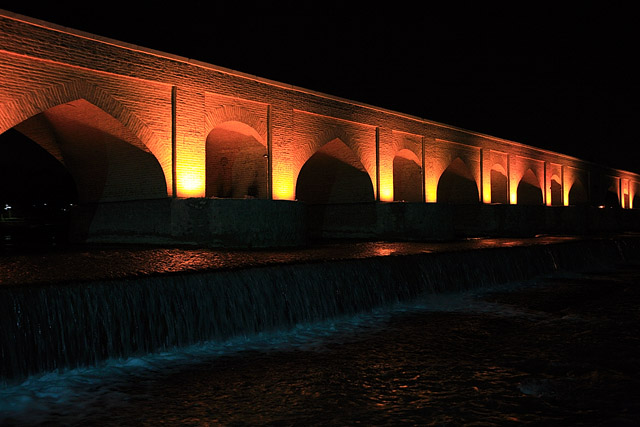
167	107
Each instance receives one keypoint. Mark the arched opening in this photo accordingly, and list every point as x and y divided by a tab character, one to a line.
457	185
556	191
611	198
578	194
107	162
334	175
407	177
499	186
636	201
236	162
529	191
72	153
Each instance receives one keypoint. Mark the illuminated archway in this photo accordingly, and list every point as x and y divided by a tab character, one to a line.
236	162
407	177
556	191
71	153
106	160
334	175
499	185
457	185
578	194
529	191
76	93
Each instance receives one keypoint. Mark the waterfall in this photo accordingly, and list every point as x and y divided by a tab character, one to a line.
64	326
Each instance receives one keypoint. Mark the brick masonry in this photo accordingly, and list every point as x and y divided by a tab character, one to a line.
150	125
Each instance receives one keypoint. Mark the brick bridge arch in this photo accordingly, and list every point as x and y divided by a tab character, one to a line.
334	174
33	103
326	138
529	189
236	153
457	183
234	113
499	185
407	176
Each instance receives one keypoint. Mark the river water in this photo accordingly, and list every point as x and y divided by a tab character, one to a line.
560	348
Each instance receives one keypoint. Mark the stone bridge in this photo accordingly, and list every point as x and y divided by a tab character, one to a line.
167	147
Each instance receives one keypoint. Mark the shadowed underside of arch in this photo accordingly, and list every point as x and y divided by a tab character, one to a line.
457	185
529	191
556	191
578	194
106	161
499	185
611	198
334	175
407	177
30	105
236	162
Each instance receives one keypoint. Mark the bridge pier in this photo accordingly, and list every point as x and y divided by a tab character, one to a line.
256	223
193	221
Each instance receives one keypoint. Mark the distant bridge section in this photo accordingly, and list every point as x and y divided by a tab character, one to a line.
133	124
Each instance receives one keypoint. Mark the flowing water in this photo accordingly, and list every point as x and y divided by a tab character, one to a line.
484	332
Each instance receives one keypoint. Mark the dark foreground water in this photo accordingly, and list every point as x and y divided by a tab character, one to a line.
562	349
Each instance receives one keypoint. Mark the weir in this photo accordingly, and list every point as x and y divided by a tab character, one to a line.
69	324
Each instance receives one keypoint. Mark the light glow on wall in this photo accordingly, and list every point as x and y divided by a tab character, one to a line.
486	189
283	181
386	190
431	192
513	195
624	199
283	190
172	124
190	182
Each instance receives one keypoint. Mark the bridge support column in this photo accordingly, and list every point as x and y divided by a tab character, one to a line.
565	187
430	175
485	176
624	193
384	165
423	168
546	179
283	162
189	143
512	180
269	156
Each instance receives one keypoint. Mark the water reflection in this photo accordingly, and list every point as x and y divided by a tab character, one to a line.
564	349
113	261
464	358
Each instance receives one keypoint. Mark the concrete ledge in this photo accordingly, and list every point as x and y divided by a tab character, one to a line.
257	223
212	222
426	221
238	222
394	221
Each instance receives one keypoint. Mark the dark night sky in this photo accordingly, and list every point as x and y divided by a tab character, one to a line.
561	81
